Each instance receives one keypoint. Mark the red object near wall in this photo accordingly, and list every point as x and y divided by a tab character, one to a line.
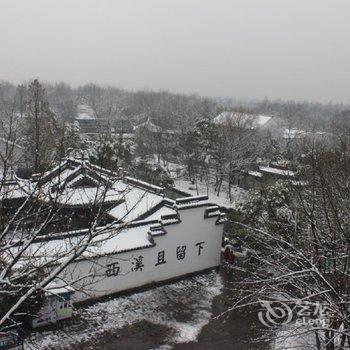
229	255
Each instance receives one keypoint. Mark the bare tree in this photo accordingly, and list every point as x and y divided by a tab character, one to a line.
239	144
35	211
298	237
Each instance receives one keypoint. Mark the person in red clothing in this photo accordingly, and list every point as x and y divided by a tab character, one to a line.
228	254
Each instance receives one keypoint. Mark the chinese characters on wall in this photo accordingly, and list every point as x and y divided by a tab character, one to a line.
161	258
137	263
113	269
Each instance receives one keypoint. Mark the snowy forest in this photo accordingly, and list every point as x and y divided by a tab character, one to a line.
279	170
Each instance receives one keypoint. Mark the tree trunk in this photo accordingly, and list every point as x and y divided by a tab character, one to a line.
36	120
229	188
219	186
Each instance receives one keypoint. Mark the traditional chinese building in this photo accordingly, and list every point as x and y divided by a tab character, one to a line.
57	306
77	187
180	239
88	122
145	238
262	175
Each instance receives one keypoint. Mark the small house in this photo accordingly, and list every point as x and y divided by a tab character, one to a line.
57	306
265	175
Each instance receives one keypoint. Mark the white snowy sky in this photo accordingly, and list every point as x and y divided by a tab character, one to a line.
296	49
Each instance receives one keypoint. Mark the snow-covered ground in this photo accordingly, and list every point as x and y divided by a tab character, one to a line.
238	194
178	171
291	338
161	306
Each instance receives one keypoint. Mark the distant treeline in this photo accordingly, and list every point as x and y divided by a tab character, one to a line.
169	110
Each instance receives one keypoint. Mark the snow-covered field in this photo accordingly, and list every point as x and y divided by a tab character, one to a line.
183	307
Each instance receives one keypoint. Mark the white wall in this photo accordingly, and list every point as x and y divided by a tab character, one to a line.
192	230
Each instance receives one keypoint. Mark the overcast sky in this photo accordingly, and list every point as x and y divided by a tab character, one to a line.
290	49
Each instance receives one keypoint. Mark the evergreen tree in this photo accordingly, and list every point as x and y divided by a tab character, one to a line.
40	129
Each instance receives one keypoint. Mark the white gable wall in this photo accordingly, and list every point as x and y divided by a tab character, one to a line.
192	230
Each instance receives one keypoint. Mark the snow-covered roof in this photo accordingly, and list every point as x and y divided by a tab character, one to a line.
277	171
58	287
242	120
85	112
132	198
149	126
75	182
15	189
86	196
136	202
192	202
292	134
110	240
137	182
262	120
69	168
255	173
164	210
